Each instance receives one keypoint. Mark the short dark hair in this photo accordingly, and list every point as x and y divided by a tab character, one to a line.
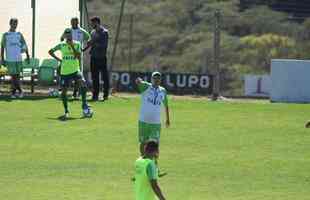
13	20
151	146
95	19
75	18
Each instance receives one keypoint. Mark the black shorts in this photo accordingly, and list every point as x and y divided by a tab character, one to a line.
65	80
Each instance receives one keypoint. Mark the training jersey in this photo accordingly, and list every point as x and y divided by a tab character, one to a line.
14	44
145	170
151	100
69	64
79	34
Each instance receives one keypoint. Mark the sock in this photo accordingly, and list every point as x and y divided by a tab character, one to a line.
18	88
83	94
65	102
13	85
13	91
17	84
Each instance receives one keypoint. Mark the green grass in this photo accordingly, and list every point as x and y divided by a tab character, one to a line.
214	151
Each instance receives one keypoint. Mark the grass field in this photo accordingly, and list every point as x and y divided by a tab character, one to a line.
213	151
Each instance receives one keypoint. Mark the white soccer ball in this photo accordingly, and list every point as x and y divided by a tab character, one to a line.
87	112
53	92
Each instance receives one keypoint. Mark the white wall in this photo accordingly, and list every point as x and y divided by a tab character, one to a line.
290	80
257	85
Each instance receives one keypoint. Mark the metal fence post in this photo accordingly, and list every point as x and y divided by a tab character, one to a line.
216	54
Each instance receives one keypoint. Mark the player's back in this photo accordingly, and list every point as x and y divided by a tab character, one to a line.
143	189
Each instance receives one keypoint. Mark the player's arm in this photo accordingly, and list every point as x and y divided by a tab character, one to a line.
86	35
167	110
90	42
152	173
142	85
157	189
88	45
76	51
62	38
52	51
24	44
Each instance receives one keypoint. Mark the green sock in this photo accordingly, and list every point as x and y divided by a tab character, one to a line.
65	102
83	94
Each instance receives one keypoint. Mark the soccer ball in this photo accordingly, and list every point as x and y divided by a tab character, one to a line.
87	113
53	92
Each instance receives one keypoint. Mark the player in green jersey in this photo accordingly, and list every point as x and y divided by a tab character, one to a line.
146	174
70	71
81	35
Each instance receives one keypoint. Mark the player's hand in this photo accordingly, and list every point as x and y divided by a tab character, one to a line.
167	123
139	80
70	43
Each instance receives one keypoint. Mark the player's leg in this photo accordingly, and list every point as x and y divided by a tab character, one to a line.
106	79
64	82
95	78
144	135
19	67
87	112
13	86
76	90
64	99
12	72
18	86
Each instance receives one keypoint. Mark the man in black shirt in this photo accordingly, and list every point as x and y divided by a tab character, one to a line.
98	58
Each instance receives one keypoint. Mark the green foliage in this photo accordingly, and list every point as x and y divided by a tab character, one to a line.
259	50
178	36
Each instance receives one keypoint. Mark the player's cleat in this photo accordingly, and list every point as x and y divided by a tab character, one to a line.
307	124
87	112
64	117
21	95
105	98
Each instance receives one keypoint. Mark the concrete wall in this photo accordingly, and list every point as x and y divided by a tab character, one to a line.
257	85
290	80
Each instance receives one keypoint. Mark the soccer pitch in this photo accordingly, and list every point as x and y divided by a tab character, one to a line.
213	151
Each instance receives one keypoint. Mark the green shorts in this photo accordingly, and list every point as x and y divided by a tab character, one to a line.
149	132
14	68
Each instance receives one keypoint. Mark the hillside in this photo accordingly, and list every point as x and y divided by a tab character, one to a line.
177	36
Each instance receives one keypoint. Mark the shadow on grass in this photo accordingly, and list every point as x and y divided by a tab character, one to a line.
25	98
34	98
62	119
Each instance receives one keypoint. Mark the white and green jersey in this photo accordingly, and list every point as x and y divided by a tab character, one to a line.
152	98
80	35
14	44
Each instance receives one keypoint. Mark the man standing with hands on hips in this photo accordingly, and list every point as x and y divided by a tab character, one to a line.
98	58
